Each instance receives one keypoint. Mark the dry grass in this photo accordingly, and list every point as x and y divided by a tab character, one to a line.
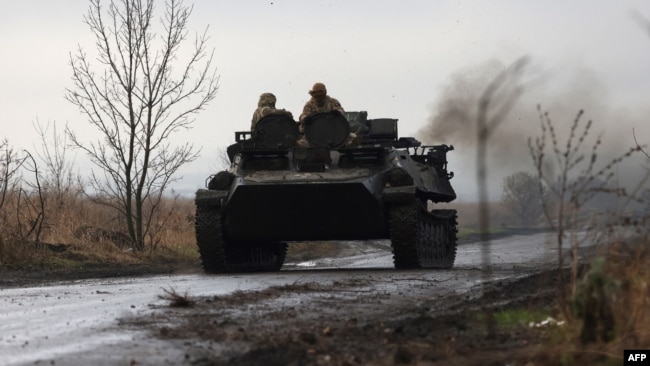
54	243
177	300
630	264
175	234
624	283
609	312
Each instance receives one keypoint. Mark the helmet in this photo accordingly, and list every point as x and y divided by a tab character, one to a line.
318	88
266	100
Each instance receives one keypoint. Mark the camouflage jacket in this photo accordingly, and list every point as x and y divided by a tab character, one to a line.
266	107
312	107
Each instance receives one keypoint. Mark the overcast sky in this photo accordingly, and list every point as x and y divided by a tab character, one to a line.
392	58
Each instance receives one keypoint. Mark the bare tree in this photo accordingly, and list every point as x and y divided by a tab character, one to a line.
11	164
579	179
30	208
146	90
522	197
58	179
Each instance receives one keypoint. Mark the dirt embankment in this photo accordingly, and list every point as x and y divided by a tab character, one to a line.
14	277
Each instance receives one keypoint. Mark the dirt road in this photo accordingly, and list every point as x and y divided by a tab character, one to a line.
299	315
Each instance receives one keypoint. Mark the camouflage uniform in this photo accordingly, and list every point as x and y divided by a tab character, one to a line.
320	102
266	107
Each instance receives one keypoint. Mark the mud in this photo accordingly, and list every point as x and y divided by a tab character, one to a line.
351	310
339	325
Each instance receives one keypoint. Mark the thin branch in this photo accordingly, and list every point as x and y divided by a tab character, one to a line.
137	102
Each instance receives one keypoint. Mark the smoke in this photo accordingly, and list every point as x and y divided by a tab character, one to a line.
561	93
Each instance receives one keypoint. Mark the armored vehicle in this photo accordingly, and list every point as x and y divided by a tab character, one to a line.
326	183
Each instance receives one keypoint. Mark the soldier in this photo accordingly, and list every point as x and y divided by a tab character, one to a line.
266	107
320	102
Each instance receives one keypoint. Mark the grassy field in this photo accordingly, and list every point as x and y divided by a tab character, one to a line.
61	244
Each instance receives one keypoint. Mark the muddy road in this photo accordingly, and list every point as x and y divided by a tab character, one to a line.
331	311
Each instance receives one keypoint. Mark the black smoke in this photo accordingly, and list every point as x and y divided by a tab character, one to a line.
560	92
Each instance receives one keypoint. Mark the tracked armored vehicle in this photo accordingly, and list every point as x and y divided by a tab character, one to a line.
326	184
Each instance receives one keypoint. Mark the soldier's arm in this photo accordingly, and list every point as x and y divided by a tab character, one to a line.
254	120
336	105
306	111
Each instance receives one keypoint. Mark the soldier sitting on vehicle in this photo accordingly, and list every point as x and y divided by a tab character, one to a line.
266	107
320	102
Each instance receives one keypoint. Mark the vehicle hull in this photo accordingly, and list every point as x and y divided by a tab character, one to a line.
305	211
